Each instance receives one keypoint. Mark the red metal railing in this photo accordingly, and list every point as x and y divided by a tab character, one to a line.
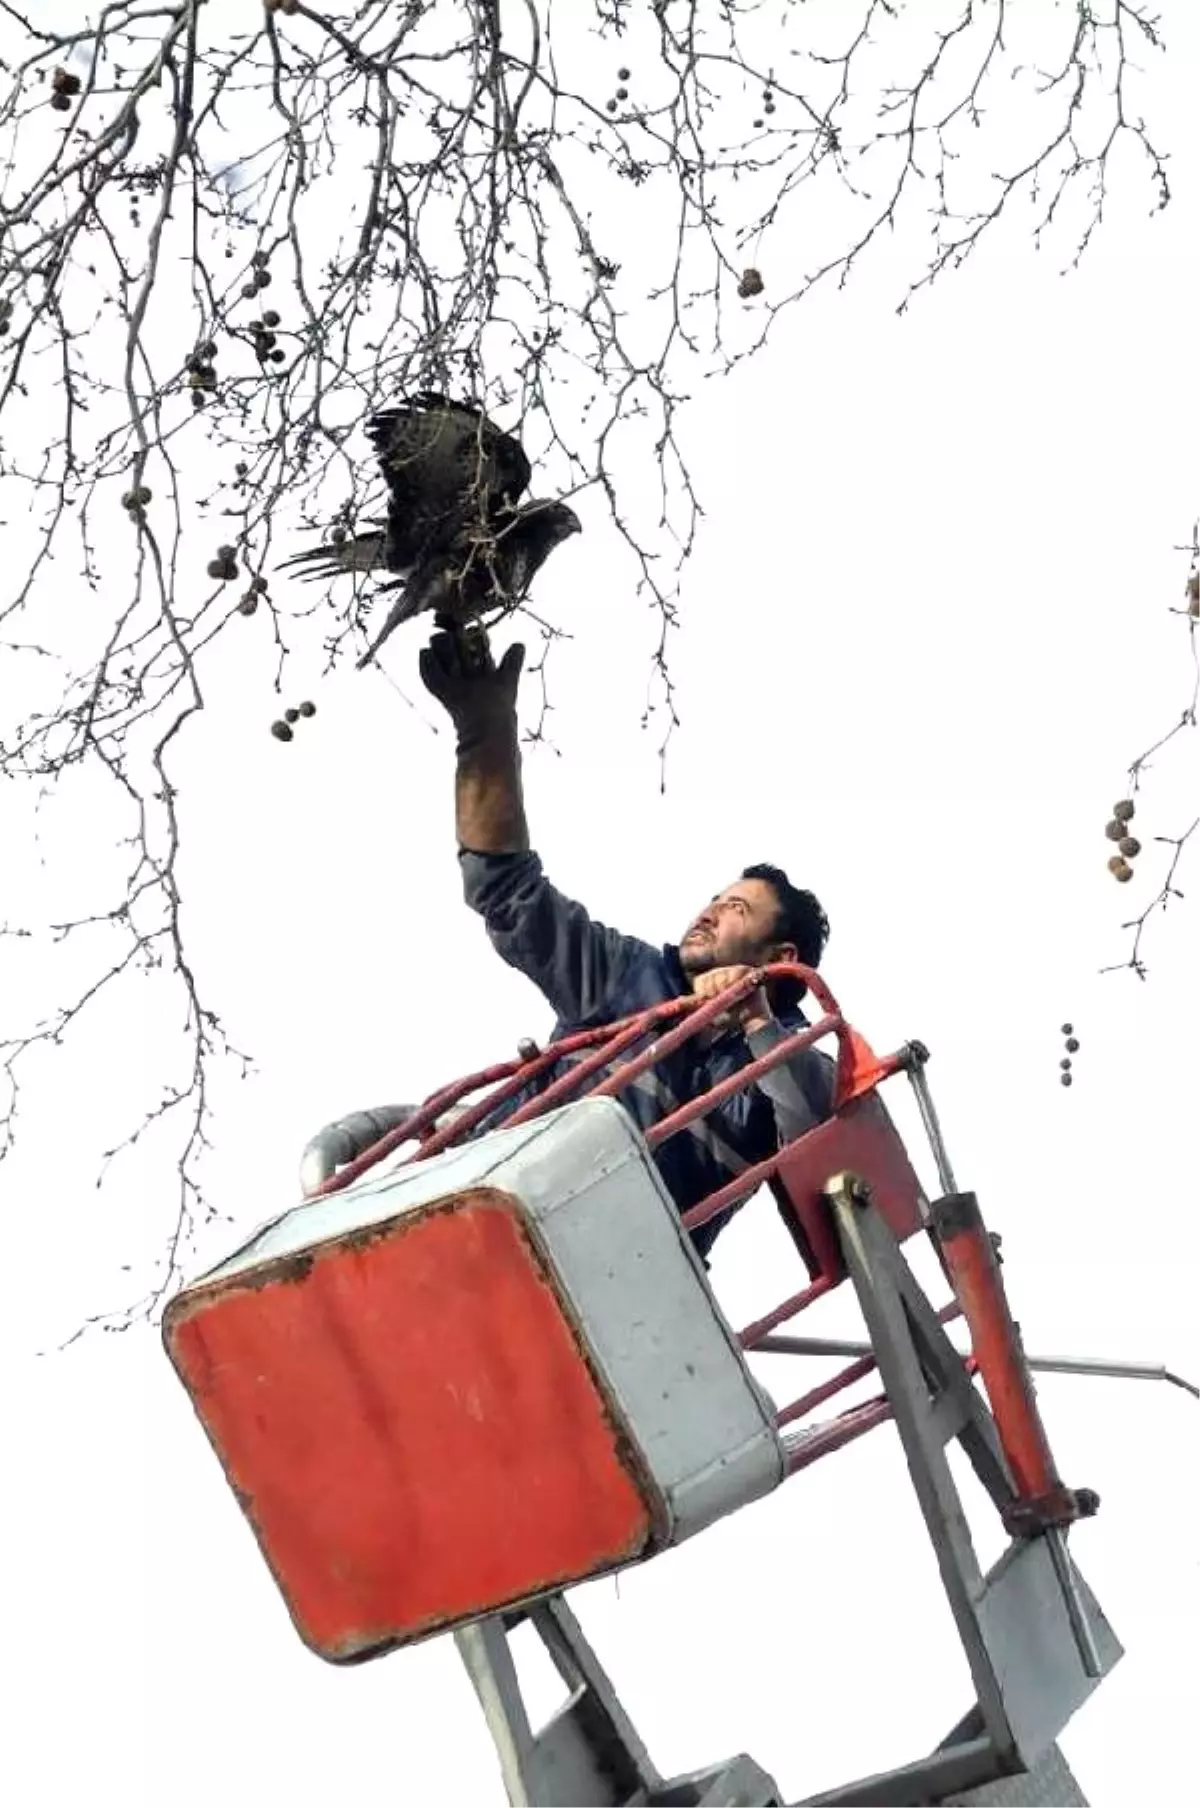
974	1276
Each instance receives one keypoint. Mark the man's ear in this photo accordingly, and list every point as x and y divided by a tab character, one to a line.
783	951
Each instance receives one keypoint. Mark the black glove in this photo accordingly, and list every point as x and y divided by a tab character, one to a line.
477	694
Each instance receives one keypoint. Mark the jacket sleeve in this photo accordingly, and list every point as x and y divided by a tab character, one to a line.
574	962
800	1089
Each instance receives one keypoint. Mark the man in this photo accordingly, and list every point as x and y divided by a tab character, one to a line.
591	975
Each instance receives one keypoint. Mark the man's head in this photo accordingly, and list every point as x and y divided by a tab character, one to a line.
761	917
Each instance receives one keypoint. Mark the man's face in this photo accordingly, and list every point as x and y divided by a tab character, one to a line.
737	929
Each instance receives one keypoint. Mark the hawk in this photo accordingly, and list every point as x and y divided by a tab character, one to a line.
456	536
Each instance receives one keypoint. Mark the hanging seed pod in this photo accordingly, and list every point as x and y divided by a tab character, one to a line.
751	284
270	318
215	568
60	103
1124	810
1065	1064
291	715
281	731
1130	846
1072	1045
259	584
308	709
248	604
1066	1079
1068	1029
1114	829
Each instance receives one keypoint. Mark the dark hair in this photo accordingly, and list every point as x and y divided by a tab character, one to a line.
801	921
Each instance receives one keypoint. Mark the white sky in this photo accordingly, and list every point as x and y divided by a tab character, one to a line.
926	628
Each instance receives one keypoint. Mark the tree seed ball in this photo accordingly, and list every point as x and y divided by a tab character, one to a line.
278	357
291	715
611	105
622	75
751	283
270	318
1130	846
1072	1045
226	552
142	495
1065	1078
1114	829
208	350
1068	1029
248	604
1065	1064
258	257
622	94
1125	874
60	103
1124	810
281	731
308	709
215	568
248	291
259	584
129	499
1116	863
262	279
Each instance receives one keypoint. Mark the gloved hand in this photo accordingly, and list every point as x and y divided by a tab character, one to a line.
478	695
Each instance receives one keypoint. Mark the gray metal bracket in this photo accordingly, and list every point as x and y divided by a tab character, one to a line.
1035	1638
588	1755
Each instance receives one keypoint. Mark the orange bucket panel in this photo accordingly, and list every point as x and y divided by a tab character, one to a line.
410	1424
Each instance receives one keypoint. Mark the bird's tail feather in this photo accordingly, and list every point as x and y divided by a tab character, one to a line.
407	604
358	552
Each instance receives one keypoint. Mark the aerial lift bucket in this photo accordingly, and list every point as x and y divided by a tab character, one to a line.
462	1378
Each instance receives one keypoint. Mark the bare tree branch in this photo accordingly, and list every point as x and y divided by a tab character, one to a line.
229	230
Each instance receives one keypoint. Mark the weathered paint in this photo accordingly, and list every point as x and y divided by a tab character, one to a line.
411	1425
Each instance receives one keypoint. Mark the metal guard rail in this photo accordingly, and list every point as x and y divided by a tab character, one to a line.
967	1253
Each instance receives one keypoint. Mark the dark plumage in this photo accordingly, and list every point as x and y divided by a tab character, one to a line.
455	536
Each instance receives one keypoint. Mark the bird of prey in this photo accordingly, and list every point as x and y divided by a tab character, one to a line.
456	537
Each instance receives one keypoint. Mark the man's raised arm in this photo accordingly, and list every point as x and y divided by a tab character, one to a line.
574	962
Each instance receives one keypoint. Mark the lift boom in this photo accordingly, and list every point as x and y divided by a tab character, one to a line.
465	1375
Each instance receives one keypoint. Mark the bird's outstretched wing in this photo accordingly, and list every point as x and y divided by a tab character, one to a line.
444	464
